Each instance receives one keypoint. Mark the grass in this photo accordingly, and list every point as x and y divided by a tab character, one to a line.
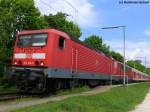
73	90
118	99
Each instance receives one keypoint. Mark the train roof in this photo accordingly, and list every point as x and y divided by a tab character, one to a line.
43	31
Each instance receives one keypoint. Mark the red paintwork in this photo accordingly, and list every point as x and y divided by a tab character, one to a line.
75	57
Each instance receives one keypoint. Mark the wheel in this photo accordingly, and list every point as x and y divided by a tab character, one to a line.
93	83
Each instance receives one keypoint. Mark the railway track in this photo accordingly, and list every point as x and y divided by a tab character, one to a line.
17	95
10	96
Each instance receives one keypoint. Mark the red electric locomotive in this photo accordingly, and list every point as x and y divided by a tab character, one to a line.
49	58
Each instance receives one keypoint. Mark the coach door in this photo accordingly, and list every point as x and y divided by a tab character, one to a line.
74	60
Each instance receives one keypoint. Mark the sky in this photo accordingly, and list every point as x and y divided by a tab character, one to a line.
92	15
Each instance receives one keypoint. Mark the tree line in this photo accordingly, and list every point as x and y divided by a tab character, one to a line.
18	15
139	66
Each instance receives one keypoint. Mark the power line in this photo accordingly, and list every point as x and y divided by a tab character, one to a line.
49	6
75	9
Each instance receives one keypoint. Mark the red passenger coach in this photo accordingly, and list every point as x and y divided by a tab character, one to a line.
118	71
46	58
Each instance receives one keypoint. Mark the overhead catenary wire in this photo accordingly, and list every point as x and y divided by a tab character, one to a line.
77	12
75	9
49	6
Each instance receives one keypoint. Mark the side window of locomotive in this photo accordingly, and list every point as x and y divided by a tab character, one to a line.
61	43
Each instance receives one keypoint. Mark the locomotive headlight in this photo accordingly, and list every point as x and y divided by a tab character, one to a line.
15	62
42	63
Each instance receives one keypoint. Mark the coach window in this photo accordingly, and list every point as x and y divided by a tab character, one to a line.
61	42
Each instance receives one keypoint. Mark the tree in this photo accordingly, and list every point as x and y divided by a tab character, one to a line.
96	42
59	21
148	71
116	56
135	64
17	15
106	49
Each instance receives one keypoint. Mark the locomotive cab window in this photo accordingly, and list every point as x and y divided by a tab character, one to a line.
61	43
32	40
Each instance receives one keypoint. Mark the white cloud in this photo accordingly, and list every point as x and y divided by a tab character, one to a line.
85	16
133	49
147	33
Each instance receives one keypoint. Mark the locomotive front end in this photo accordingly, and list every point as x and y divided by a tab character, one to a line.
29	61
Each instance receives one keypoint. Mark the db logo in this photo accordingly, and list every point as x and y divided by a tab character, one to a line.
28	55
